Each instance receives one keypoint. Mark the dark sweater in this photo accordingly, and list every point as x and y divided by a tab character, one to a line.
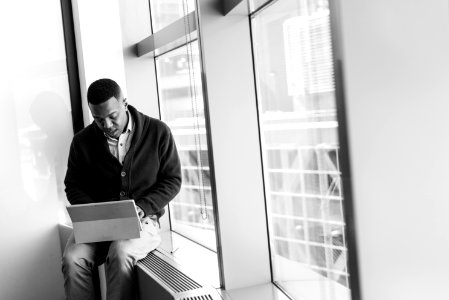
151	172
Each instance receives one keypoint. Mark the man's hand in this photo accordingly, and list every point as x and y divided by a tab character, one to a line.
140	212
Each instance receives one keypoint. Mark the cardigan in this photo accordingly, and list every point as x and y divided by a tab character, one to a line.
150	174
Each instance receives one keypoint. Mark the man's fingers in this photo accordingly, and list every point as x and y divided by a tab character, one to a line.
140	212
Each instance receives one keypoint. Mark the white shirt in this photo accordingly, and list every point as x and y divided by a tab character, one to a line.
119	147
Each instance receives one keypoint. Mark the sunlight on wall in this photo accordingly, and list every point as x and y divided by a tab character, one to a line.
37	129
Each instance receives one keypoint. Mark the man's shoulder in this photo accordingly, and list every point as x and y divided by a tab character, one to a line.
158	123
158	128
148	122
85	134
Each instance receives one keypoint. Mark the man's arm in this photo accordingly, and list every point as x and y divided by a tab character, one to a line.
73	179
156	197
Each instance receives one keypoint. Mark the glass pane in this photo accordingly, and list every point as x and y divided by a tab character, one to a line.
165	12
298	121
182	108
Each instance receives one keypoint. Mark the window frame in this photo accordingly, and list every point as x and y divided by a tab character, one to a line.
344	157
175	43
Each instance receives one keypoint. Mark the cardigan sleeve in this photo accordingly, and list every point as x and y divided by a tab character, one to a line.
73	179
155	198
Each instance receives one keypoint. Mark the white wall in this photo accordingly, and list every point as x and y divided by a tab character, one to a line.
397	71
227	63
98	45
36	131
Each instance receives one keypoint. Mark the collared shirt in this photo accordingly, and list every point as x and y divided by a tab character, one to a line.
119	147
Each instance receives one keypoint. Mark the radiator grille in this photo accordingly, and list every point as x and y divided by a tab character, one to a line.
172	277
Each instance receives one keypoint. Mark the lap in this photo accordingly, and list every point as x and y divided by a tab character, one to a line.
96	253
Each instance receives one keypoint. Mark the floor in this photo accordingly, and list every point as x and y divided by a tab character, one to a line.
259	292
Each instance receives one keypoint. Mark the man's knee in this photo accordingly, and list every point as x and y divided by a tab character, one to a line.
73	260
119	251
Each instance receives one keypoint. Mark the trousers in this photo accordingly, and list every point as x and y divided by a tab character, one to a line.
119	258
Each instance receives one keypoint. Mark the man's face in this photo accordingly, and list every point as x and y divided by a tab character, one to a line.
110	116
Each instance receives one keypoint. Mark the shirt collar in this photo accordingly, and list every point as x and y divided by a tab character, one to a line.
130	126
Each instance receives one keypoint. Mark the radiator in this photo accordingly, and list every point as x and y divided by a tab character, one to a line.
161	278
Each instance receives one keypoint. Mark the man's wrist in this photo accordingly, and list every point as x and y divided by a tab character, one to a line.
140	210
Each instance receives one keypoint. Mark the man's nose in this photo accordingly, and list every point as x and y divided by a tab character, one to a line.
107	123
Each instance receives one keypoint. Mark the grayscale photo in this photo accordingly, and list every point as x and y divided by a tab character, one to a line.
224	150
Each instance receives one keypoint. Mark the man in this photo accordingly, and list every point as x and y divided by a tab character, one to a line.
123	154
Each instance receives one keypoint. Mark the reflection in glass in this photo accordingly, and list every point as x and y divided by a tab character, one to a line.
165	12
182	108
298	121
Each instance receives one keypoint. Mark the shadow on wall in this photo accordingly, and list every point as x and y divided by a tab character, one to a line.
51	143
36	145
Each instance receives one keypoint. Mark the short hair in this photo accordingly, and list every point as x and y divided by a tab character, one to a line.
102	90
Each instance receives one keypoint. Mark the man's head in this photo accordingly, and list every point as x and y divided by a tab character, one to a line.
108	107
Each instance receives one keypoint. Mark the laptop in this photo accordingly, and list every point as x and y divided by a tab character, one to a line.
105	221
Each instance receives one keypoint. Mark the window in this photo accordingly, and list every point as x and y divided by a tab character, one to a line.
182	108
180	94
300	145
